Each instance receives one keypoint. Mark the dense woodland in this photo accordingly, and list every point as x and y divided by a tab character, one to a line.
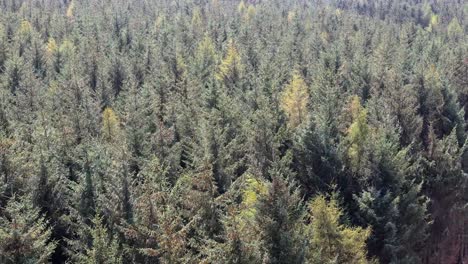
226	131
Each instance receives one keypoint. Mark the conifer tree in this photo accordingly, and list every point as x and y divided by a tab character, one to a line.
454	29
446	184
25	236
316	149
230	69
117	76
3	48
158	233
329	240
279	215
14	73
294	100
192	130
104	248
242	237
110	124
357	136
394	203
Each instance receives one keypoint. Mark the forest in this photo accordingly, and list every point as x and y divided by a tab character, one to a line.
234	131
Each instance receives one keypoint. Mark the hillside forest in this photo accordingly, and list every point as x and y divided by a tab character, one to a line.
234	131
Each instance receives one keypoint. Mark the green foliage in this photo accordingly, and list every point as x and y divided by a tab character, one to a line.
194	131
104	248
25	236
279	215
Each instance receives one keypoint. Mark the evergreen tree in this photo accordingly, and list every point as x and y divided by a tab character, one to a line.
158	233
25	234
104	248
190	131
279	215
394	203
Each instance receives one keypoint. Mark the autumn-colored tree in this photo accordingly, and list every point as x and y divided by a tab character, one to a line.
194	131
357	135
294	101
110	124
230	69
329	240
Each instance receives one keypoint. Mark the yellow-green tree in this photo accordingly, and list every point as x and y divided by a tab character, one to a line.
250	13
231	66
51	47
205	59
243	245
329	240
70	9
241	7
25	29
197	21
294	100
67	48
110	124
246	12
254	188
454	29
357	134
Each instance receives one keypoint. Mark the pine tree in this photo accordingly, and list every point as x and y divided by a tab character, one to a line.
316	147
3	48
455	31
54	57
195	197
24	35
241	243
402	101
117	75
87	206
447	184
205	60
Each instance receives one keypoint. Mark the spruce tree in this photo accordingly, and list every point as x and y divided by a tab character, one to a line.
279	215
25	235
